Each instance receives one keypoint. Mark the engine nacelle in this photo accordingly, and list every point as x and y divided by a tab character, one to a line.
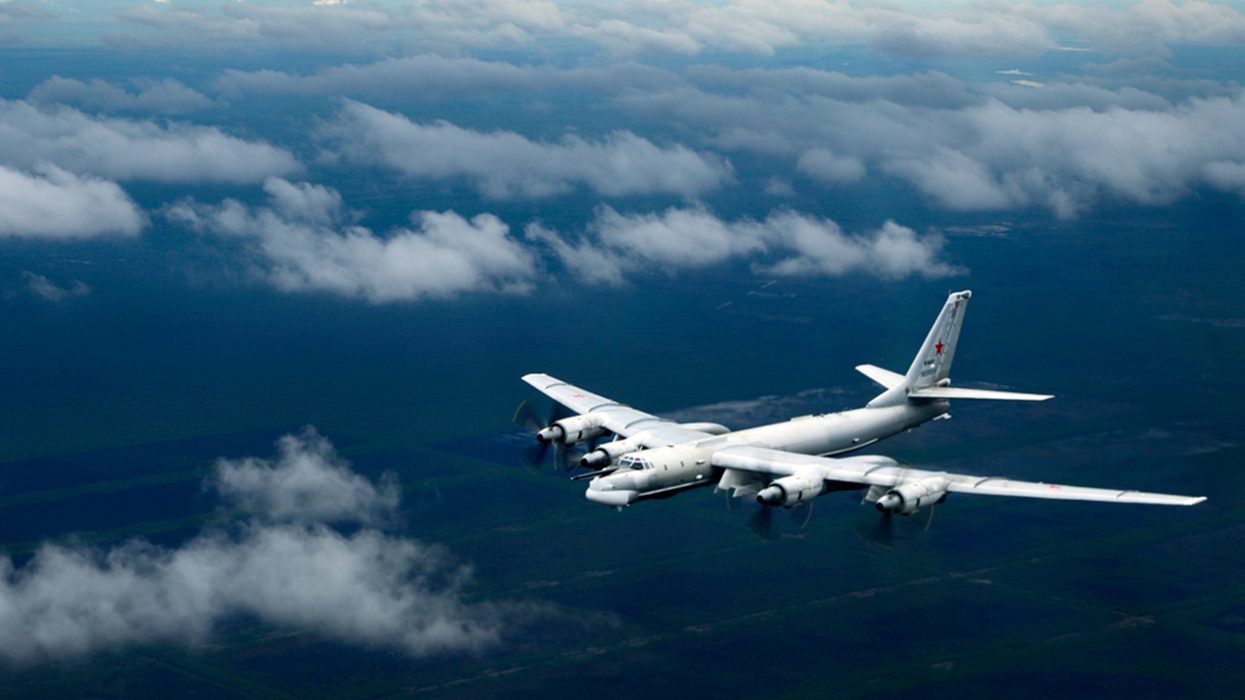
574	430
908	498
793	490
605	454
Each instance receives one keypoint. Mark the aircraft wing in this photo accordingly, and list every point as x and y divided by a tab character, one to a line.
884	471
619	419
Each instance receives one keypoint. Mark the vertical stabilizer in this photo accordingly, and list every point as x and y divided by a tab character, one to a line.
933	363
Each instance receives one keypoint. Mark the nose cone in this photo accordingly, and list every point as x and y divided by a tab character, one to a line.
615	498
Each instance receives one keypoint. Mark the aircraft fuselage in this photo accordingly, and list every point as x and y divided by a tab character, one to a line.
665	471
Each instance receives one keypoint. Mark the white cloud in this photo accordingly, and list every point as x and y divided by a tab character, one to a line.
505	165
166	96
1047	150
306	483
52	203
17	13
824	165
686	28
426	76
366	588
46	289
305	244
785	243
122	149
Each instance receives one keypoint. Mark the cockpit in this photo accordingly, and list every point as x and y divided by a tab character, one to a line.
633	462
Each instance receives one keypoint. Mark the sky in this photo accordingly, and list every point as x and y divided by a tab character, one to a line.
474	164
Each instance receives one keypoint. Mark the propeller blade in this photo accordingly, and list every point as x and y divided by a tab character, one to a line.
535	456
801	514
762	523
526	416
883	531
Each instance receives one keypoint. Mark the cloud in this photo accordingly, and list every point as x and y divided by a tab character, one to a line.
1146	27
304	243
52	203
319	28
824	165
122	149
685	28
45	289
306	483
505	165
427	76
15	14
785	243
1045	151
366	588
166	96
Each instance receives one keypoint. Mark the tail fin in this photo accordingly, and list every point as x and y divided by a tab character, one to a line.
928	377
933	362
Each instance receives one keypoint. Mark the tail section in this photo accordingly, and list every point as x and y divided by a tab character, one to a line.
933	362
929	375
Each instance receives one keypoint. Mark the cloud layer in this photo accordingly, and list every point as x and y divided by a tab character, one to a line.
166	96
123	149
366	588
686	28
304	243
504	165
784	243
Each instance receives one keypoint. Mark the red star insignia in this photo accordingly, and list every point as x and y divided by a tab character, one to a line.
939	348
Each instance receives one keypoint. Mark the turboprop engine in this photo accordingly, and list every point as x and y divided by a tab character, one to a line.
573	430
605	454
792	490
908	498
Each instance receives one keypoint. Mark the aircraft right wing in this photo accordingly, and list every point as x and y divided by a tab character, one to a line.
886	472
617	418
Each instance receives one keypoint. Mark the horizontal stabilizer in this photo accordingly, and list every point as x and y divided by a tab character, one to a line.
885	377
948	392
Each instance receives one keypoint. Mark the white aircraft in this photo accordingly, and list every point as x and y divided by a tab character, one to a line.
787	464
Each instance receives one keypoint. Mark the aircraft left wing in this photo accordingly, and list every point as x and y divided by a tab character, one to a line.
886	472
619	419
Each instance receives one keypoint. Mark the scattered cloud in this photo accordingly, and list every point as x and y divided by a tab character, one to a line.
13	14
165	96
365	588
304	242
427	75
1048	149
785	243
46	289
122	149
506	165
761	27
307	482
52	203
824	165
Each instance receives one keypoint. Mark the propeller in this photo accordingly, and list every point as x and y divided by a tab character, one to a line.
762	522
801	514
536	455
883	531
